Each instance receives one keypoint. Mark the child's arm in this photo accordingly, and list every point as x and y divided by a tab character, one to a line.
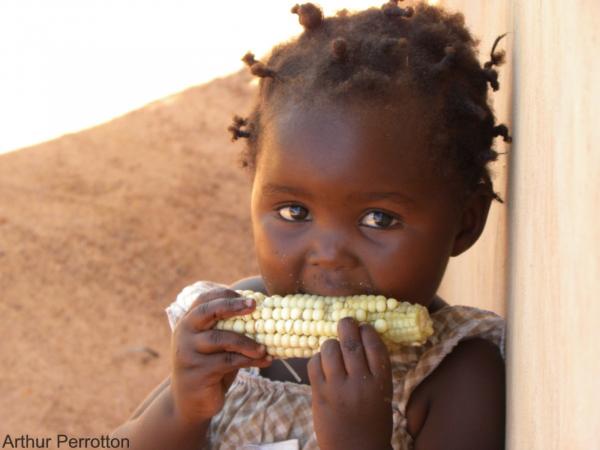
156	425
150	398
466	401
205	361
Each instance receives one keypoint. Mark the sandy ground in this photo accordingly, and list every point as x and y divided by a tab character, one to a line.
99	231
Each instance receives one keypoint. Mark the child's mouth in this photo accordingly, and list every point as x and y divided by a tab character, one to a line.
339	290
334	284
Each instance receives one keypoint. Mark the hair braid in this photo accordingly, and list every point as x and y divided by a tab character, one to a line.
496	59
256	67
309	15
236	128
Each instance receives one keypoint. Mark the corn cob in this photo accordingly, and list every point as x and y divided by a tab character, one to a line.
295	326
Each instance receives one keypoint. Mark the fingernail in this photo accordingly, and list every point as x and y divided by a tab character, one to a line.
262	348
239	305
249	302
268	358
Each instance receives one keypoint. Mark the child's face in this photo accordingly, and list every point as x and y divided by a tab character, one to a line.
344	202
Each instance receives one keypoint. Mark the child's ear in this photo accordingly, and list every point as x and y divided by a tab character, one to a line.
474	217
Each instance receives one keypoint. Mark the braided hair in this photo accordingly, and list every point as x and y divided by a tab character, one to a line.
375	54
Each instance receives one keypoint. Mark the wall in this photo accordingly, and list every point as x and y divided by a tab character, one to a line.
554	254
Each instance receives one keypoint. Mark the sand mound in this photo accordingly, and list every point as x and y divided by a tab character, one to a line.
99	230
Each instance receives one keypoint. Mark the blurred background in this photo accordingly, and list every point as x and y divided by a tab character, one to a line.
119	185
72	64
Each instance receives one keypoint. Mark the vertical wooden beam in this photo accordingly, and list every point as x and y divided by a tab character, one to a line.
478	277
554	255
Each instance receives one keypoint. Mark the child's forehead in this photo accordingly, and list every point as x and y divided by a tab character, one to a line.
339	150
408	113
350	133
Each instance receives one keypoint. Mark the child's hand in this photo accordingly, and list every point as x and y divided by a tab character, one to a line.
352	390
206	361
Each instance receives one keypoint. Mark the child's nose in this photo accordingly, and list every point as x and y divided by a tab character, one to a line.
331	249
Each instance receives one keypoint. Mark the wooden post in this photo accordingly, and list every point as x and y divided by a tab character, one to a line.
554	255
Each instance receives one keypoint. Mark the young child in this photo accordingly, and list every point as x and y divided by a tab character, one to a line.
368	149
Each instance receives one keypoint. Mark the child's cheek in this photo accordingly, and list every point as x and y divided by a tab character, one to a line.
406	266
278	252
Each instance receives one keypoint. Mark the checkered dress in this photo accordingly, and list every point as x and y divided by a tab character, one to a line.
259	410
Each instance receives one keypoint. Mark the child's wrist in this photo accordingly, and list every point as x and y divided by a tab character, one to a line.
195	429
184	421
181	420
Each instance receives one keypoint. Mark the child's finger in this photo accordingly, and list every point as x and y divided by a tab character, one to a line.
376	352
218	364
215	341
332	360
352	347
204	316
315	370
213	294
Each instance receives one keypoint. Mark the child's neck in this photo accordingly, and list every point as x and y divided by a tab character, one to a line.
437	304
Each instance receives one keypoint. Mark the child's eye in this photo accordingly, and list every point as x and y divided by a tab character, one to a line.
293	213
380	219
